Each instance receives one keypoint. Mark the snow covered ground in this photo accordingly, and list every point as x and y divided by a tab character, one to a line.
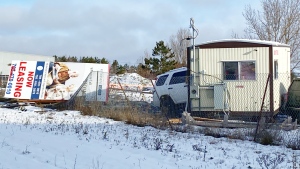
136	87
33	140
130	81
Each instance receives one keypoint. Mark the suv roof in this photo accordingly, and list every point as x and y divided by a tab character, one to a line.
173	70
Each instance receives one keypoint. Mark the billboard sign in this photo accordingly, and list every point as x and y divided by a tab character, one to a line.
56	80
26	80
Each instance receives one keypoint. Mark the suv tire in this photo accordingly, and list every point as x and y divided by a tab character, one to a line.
167	106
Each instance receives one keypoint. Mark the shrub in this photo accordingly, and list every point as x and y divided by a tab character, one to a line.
269	137
267	161
293	140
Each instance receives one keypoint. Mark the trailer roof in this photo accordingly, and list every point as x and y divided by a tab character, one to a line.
249	41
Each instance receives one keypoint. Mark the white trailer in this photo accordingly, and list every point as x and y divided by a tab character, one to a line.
232	75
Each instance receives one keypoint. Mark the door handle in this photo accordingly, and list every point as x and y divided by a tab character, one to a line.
170	88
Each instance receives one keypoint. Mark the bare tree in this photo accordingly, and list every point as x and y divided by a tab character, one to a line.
179	43
279	21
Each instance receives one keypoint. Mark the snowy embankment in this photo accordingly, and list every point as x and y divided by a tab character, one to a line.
51	139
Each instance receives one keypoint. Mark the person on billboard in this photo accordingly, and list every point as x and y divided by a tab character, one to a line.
59	73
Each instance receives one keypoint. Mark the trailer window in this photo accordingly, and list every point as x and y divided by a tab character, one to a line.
241	70
276	69
230	70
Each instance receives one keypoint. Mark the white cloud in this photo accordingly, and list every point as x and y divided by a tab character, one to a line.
115	30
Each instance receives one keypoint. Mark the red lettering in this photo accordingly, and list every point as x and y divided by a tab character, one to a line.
17	94
29	79
21	63
19	84
22	68
30	73
18	88
20	79
21	74
29	84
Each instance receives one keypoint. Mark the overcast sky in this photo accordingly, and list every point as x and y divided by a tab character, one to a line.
117	29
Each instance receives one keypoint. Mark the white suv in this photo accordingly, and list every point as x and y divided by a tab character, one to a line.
171	92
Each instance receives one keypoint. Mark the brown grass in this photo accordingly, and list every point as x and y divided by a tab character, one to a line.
2	91
126	113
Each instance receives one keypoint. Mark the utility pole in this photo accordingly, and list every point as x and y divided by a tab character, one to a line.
195	30
194	80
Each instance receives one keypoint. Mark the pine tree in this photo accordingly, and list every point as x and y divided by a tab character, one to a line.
162	60
114	66
104	61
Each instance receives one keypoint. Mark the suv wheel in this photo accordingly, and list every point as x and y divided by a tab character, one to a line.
167	106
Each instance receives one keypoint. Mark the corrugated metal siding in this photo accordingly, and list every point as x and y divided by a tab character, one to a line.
211	61
250	92
283	58
282	55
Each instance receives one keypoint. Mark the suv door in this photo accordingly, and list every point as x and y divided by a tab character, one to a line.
159	89
178	88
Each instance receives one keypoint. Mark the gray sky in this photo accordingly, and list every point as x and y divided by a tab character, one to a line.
117	30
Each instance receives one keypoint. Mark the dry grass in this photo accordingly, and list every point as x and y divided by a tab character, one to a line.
126	113
2	91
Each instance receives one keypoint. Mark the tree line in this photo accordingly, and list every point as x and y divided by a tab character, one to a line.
80	59
116	68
